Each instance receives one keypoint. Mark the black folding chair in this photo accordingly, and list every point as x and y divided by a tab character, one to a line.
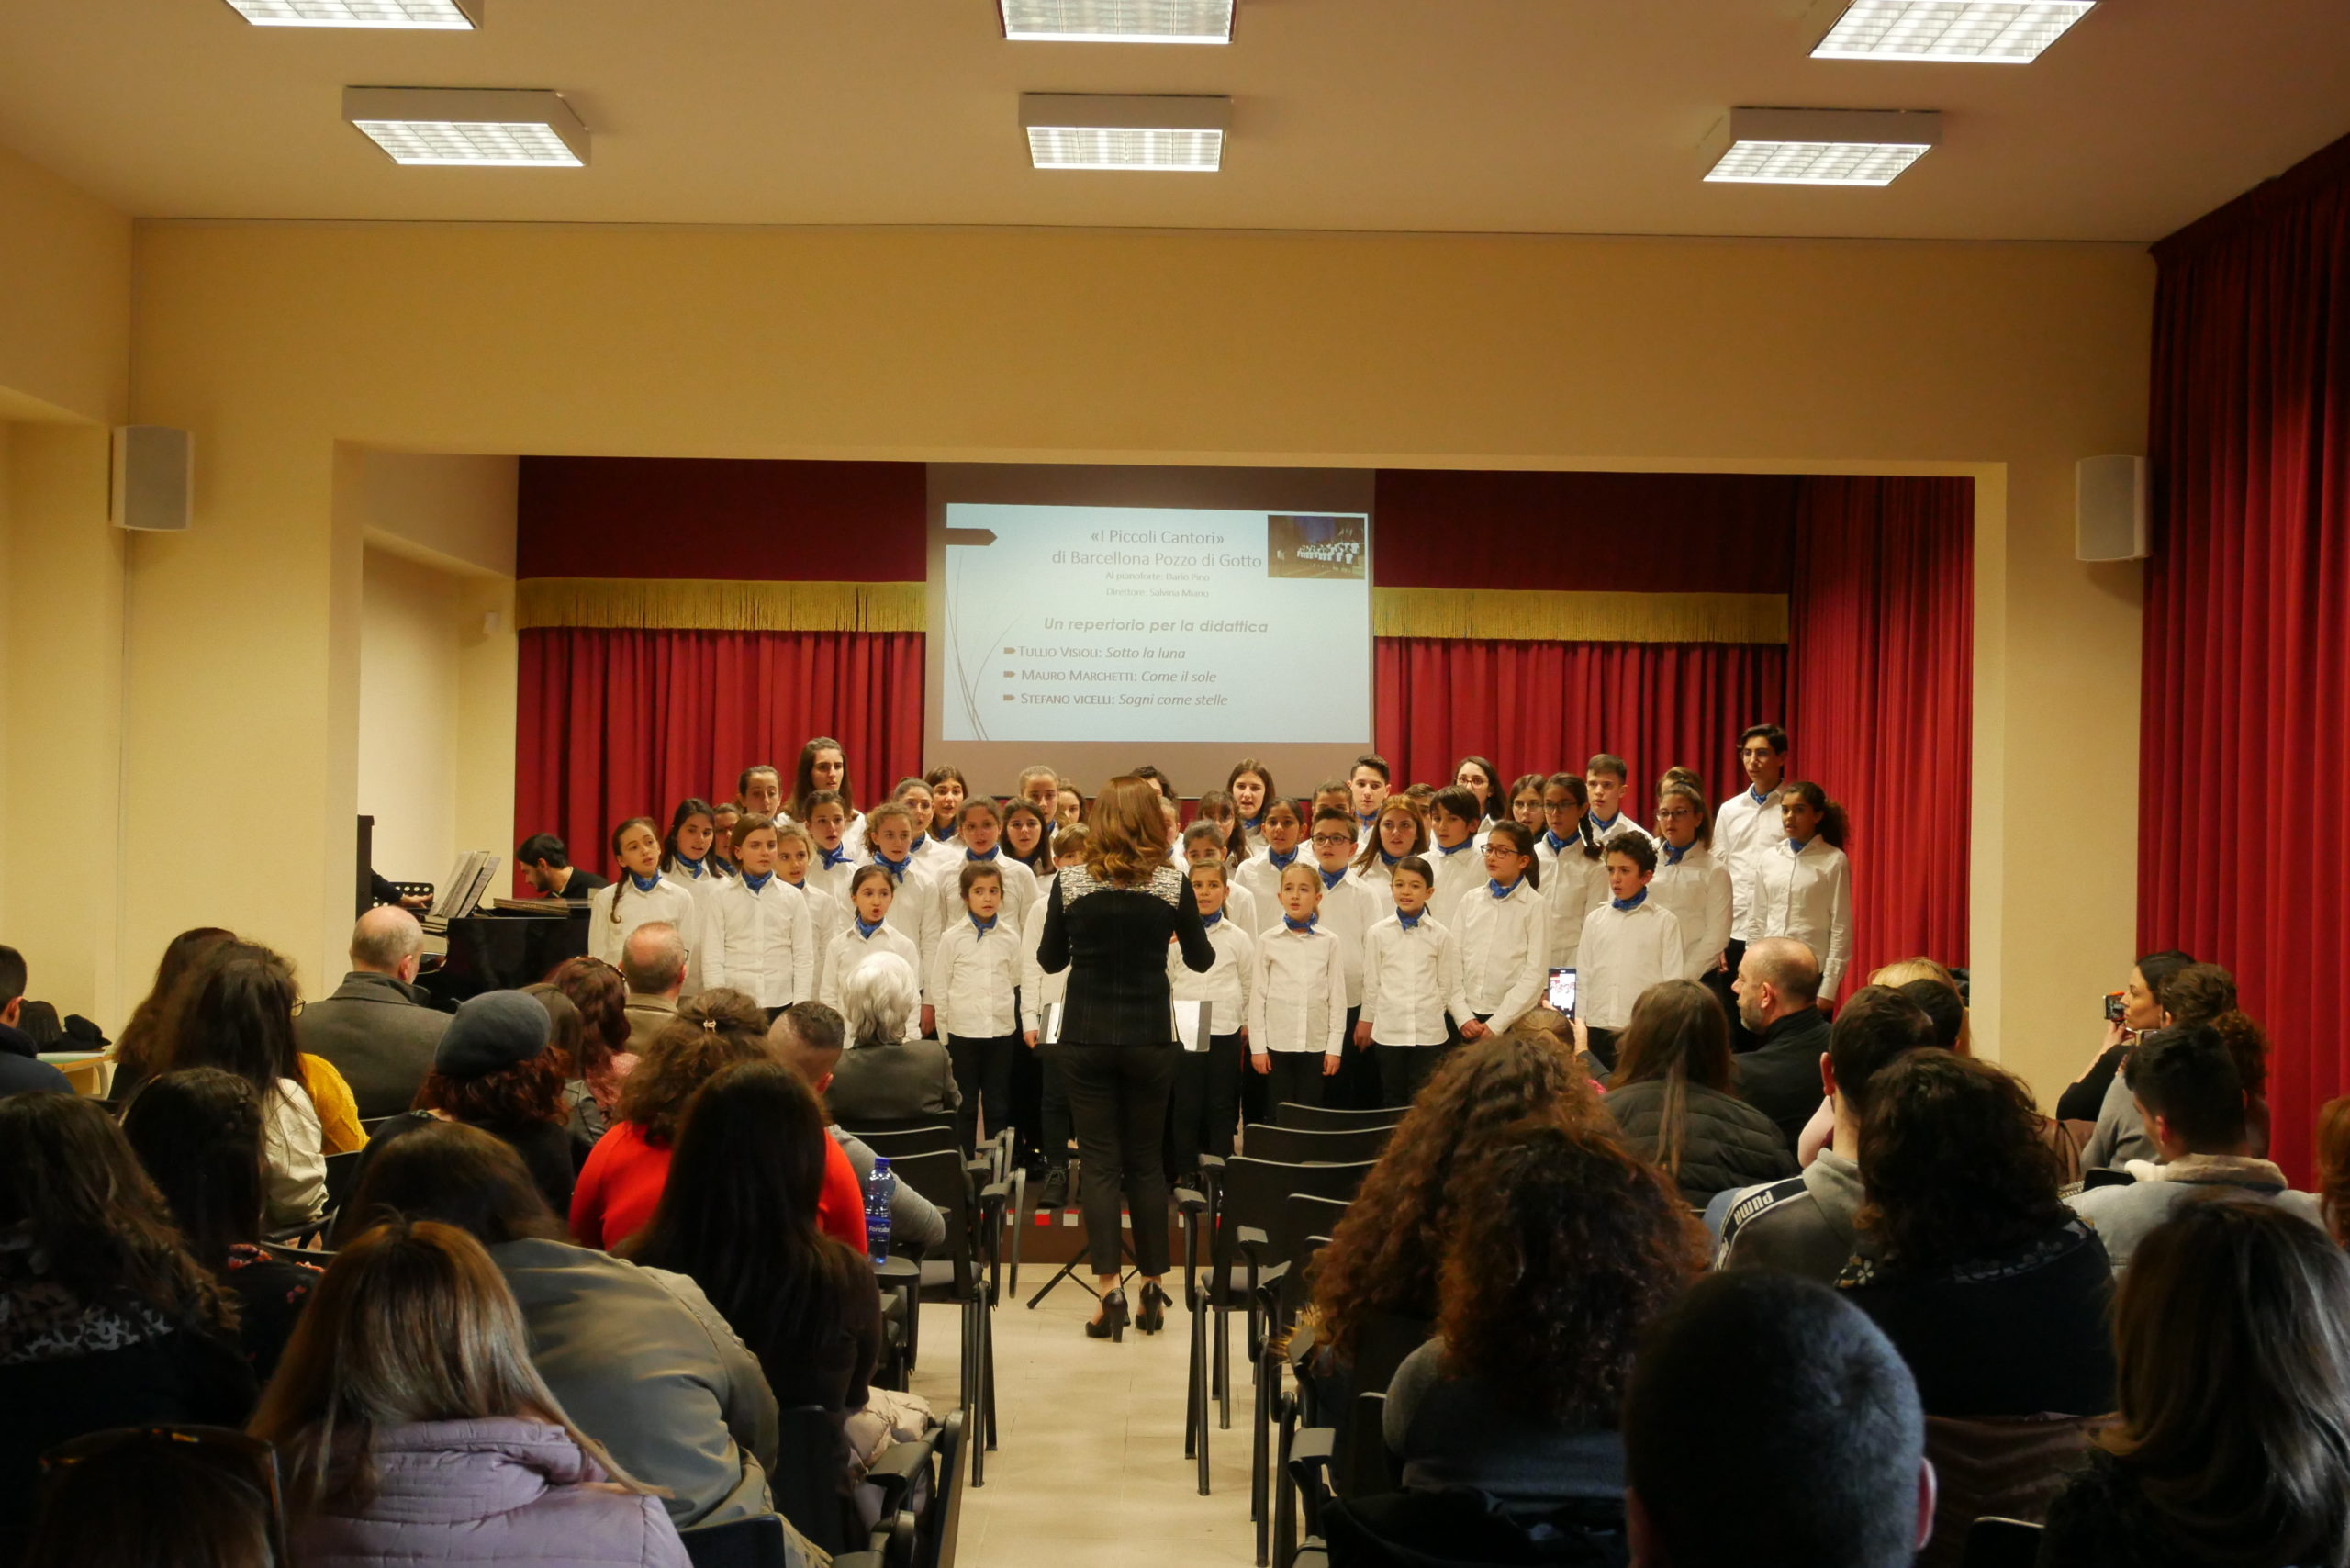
943	1520
342	1169
808	1477
1294	1145
965	1269
1330	1119
894	1144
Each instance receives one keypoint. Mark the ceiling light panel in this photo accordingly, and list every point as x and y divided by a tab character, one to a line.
1997	32
1818	146
442	15
1170	135
1117	21
470	128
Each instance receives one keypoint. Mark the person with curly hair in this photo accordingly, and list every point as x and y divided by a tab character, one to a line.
2233	1337
594	1068
1994	1291
2188	994
1567	1245
621	1183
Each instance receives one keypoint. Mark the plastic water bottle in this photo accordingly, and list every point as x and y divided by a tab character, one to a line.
880	1190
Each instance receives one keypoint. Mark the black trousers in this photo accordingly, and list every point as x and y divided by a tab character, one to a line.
1404	1070
1058	1130
983	1074
1296	1080
1117	1096
1206	1106
1357	1086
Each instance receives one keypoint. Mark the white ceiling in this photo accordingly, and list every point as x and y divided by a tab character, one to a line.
1514	116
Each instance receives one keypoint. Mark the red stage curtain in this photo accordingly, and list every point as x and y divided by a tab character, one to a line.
616	723
1542	706
2243	850
1881	700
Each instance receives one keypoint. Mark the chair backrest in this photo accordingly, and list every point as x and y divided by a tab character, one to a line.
1253	1191
2009	1469
1465	1530
757	1542
868	1125
1359	1464
1295	1145
938	1175
813	1459
894	1144
342	1169
2002	1543
942	1521
1330	1119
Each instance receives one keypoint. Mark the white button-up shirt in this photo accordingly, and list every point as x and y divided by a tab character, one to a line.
1348	912
607	936
1505	952
1698	892
764	944
1456	874
1411	980
1262	881
1744	830
1224	985
1807	895
941	890
1625	951
851	949
1297	1000
1573	884
972	982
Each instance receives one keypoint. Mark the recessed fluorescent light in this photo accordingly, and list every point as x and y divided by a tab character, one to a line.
1117	21
1998	33
1818	146
476	127
441	14
1079	130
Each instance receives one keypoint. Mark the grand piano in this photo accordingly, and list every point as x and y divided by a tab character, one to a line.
505	948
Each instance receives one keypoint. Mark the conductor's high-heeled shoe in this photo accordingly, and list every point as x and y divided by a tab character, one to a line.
1155	1303
1111	1324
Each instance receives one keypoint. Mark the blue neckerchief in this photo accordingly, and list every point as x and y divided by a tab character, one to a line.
1557	844
1388	860
1308	923
971	854
1411	922
1332	879
1603	830
982	926
1254	824
757	884
644	884
895	867
1627	905
1282	862
1499	892
693	868
1799	844
1457	848
1210	920
1672	855
725	867
831	857
1759	795
866	931
1367	822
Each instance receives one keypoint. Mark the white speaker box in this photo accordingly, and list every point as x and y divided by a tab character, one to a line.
154	478
2109	509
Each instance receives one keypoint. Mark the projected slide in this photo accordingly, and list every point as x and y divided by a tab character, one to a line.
1147	624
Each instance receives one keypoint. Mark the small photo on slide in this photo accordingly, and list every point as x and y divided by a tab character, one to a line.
1307	546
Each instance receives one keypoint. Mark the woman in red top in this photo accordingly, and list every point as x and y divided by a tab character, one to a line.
621	1182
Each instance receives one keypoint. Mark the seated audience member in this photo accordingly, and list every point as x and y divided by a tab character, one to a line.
104	1318
1994	1291
493	1070
378	1028
1778	1002
1565	1247
637	1357
21	1067
1670	1095
885	1077
2334	1166
2192	994
151	1499
653	966
2232	1336
2186	1084
593	1075
411	1426
1804	1225
2141	1015
546	865
808	1037
142	1037
1933	988
198	1133
738	1216
236	1012
1770	1425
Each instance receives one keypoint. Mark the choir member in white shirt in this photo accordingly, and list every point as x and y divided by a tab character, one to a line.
685	859
1483	780
1348	912
833	862
1261	874
795	848
889	837
1411	983
977	842
1803	884
1297	996
1398	833
1574	879
1747	824
638	897
1504	936
1526	801
1629	944
759	789
723	818
1368	782
868	932
1692	883
1206	1098
1251	785
822	767
948	790
762	941
1453	823
973	981
1206	841
920	806
1605	777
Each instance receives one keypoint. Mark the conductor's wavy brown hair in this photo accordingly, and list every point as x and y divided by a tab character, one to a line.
1129	838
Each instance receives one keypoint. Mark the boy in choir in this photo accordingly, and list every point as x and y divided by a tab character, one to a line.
1204	840
1453	820
1348	912
871	893
723	818
1411	983
794	850
1331	794
1629	944
1206	1098
1747	824
1261	873
641	897
833	862
1368	782
1297	996
1039	990
762	941
1605	777
973	982
1421	796
1504	936
546	866
759	789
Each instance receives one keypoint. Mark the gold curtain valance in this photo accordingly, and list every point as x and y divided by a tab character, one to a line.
703	604
1524	615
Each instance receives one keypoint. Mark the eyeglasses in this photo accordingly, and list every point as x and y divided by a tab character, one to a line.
1332	840
1670	813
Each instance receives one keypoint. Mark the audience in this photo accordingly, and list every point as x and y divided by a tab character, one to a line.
884	1076
1670	1095
1778	1002
412	1425
21	1067
136	1498
653	967
378	1027
142	1037
198	1134
638	1358
808	1037
1565	1245
1995	1293
1806	1225
2185	1083
2189	993
594	1072
2139	1014
1770	1425
105	1320
492	1071
1935	991
2233	1338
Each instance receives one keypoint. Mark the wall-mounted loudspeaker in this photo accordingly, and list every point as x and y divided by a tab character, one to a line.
2109	509
154	478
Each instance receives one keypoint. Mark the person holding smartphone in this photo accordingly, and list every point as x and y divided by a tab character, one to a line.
2136	1013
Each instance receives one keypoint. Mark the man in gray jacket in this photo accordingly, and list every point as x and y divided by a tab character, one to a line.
378	1029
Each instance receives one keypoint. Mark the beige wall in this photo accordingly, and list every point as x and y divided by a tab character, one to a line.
276	343
64	299
407	715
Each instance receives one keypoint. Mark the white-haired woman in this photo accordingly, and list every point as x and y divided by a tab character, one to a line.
883	1076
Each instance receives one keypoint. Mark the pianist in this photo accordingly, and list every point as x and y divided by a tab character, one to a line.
548	865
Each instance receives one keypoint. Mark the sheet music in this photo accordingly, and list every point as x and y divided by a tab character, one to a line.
1188	1024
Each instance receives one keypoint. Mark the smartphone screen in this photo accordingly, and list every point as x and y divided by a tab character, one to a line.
2113	1007
1561	994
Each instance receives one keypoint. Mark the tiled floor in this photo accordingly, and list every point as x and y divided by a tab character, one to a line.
1090	1466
